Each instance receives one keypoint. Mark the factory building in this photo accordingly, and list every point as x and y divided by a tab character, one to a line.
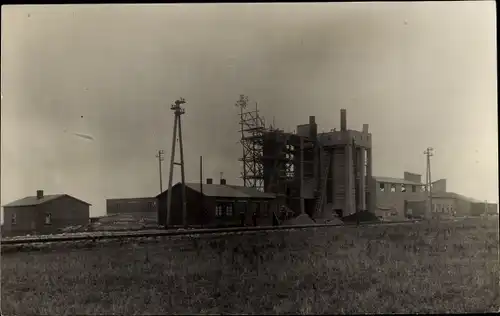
309	172
398	198
217	205
139	209
484	208
44	214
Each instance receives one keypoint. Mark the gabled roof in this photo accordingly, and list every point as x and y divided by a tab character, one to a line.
227	191
33	200
396	181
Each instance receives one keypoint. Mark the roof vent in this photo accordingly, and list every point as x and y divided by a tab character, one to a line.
39	194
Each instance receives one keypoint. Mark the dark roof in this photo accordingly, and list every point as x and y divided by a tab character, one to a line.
33	200
228	191
129	200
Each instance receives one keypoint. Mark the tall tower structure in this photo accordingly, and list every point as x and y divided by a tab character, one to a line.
178	111
345	166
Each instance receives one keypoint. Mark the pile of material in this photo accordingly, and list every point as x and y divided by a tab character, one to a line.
118	222
328	218
302	219
361	217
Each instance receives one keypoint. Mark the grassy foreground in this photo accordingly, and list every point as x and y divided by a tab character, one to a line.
448	267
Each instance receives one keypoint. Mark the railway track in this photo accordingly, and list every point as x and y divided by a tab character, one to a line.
95	236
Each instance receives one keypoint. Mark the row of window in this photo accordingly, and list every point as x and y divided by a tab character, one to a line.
355	137
414	188
443	208
224	210
48	219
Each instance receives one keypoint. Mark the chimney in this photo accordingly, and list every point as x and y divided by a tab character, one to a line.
365	128
343	120
39	194
210	181
223	181
313	128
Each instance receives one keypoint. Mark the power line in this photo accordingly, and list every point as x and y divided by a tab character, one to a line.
161	156
429	152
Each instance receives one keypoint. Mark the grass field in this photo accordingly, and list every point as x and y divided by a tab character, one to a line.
438	268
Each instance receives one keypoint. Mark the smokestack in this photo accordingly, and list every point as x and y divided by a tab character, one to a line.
39	194
223	181
343	120
313	128
210	181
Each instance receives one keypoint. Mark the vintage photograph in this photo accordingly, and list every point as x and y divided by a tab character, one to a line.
249	158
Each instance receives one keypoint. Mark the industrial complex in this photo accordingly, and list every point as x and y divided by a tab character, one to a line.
322	176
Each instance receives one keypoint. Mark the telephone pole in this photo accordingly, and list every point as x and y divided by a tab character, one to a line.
429	152
178	111
161	156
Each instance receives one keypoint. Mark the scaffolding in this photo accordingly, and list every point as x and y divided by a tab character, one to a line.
252	128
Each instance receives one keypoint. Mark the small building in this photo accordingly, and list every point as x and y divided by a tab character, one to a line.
449	204
217	205
484	208
44	214
142	208
390	201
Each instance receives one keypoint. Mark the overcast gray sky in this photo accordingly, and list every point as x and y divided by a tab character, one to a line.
421	74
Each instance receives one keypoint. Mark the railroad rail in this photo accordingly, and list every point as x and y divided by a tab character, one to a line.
94	236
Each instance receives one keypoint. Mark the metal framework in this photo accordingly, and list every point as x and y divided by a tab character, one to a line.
252	128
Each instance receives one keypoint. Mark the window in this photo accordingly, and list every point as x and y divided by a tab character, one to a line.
393	188
218	210
382	187
48	219
413	188
229	210
403	188
14	219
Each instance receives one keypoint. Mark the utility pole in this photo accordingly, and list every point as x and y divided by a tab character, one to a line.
178	111
161	156
428	179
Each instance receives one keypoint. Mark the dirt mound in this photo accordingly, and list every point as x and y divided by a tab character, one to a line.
118	222
363	216
302	219
328	218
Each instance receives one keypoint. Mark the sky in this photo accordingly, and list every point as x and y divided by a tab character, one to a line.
419	73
